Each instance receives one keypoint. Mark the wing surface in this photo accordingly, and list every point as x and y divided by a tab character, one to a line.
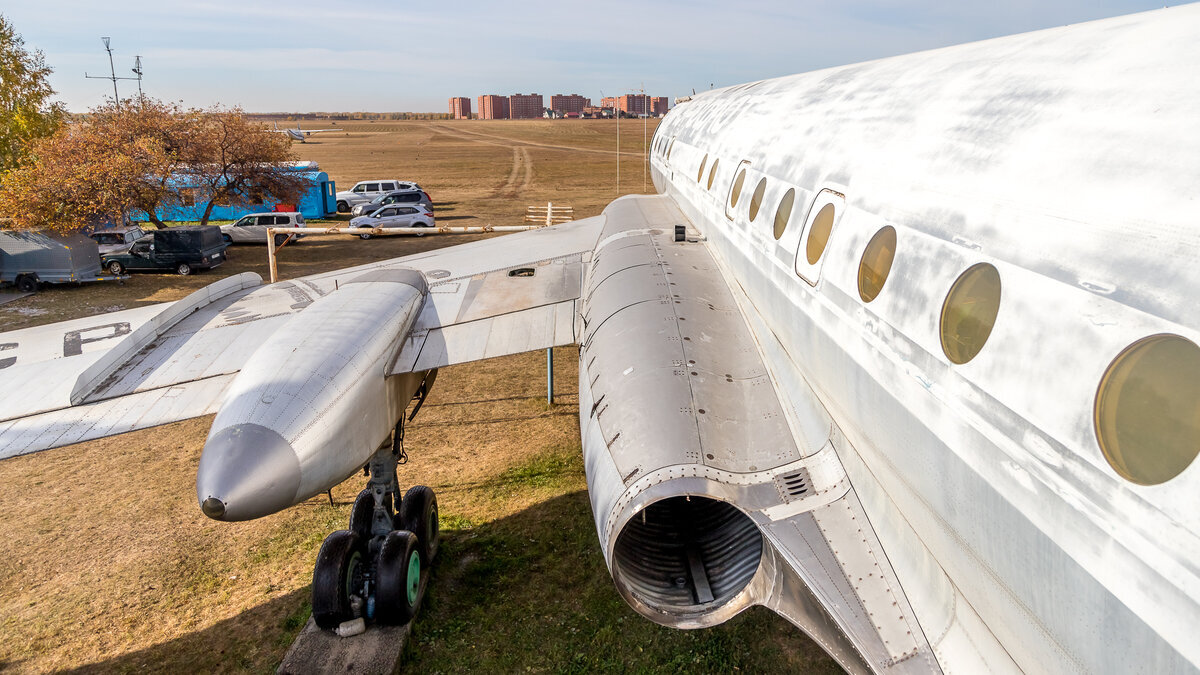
109	374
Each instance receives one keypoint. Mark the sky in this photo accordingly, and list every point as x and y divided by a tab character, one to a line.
395	55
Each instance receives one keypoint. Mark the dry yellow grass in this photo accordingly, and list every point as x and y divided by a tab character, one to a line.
108	565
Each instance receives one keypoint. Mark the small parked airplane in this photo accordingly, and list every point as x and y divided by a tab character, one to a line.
905	351
299	134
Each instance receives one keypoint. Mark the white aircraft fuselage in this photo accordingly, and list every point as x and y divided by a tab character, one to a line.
1067	160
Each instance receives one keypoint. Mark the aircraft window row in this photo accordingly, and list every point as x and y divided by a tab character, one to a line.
1146	413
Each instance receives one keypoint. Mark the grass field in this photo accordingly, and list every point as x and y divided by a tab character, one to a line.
109	566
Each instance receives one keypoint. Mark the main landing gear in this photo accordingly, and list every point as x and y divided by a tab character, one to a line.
375	569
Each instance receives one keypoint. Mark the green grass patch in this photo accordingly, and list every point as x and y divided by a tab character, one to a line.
488	609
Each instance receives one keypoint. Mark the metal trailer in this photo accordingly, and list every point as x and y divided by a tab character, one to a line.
28	259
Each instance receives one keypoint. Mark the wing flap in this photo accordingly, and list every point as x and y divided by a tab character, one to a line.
111	416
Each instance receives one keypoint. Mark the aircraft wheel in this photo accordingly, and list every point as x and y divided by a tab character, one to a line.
115	267
336	577
184	269
398	578
27	284
419	513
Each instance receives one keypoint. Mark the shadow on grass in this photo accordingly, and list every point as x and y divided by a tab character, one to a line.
531	592
254	640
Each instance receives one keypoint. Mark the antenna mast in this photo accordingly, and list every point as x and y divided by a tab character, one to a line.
113	73
137	68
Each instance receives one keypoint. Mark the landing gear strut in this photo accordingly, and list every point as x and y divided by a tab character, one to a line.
375	568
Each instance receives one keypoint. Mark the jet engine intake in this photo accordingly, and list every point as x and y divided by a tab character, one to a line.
686	554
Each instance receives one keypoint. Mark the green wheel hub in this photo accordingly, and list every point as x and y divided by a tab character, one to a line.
414	577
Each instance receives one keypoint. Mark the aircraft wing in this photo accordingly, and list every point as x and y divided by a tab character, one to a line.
96	377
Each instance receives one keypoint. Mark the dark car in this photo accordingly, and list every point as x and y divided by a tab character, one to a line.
175	249
407	197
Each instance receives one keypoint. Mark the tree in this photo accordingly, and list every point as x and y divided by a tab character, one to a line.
233	162
152	157
26	112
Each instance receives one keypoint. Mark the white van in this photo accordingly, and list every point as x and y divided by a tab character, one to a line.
366	190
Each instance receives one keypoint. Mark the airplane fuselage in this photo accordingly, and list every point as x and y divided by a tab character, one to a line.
1073	178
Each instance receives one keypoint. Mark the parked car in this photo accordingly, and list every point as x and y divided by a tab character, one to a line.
117	238
408	197
252	229
176	249
366	190
395	216
29	259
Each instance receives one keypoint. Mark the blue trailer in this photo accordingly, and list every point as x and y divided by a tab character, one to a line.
318	201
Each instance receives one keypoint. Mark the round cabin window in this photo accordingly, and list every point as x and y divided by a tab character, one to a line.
737	188
700	173
712	173
876	263
969	312
757	197
784	213
818	234
1147	412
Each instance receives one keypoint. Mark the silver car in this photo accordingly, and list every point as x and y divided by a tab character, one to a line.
395	216
117	239
407	197
252	229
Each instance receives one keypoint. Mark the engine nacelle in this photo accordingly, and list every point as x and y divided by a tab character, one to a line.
315	401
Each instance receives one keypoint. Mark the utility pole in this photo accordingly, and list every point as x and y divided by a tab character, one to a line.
645	136
137	68
113	73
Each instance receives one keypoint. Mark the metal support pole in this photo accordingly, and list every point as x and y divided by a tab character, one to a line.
271	253
550	375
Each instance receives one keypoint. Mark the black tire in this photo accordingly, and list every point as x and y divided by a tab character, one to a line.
27	283
115	267
183	269
336	577
398	578
280	239
343	207
363	513
364	236
419	513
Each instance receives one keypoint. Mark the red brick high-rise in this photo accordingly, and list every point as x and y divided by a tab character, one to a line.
493	107
569	104
634	104
460	108
608	102
659	105
525	106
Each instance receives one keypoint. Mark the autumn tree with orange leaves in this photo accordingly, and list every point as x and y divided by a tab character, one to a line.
147	157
